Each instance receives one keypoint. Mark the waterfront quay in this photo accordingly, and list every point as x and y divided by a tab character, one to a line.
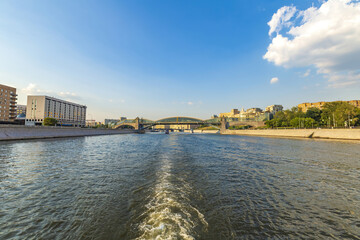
15	132
336	134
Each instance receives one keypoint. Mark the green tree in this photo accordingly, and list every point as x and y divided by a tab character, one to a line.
49	121
280	119
303	122
270	123
333	114
289	115
340	114
314	113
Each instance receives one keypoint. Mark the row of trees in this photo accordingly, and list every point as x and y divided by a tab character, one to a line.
333	114
53	122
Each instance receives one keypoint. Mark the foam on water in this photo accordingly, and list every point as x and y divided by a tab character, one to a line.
169	214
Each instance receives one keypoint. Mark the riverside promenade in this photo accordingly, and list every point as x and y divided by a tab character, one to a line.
13	132
340	134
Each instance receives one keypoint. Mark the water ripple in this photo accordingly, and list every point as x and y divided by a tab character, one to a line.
179	186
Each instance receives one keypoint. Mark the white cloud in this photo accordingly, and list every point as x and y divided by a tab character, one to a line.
338	80
68	95
281	19
307	73
274	80
326	37
32	89
190	103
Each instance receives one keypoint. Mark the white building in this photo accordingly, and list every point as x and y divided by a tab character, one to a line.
66	113
90	123
274	108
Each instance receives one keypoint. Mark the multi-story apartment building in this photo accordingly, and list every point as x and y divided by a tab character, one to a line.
274	109
20	109
7	103
305	106
66	113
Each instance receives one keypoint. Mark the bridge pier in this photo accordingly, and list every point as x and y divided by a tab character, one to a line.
137	123
224	125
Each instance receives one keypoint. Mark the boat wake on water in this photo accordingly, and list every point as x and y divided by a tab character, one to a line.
169	213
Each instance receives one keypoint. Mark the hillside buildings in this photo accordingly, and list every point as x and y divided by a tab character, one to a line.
273	109
66	113
305	106
232	114
7	103
253	114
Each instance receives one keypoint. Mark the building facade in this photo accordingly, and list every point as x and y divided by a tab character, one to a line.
66	113
90	123
305	106
273	109
251	114
232	113
20	109
8	99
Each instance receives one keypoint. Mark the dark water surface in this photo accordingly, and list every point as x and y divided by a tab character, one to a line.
179	186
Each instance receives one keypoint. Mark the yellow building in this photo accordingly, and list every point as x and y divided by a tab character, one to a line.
305	106
7	103
233	113
249	113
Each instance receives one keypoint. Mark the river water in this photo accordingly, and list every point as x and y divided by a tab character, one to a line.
179	186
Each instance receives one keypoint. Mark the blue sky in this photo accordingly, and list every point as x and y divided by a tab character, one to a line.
155	59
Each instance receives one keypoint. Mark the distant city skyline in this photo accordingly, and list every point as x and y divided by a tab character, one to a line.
156	59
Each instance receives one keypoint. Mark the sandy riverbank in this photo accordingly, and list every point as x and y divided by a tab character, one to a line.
340	134
8	132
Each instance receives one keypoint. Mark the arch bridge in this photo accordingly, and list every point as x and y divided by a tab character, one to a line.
141	123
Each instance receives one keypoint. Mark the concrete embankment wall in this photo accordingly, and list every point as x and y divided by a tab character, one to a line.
207	131
348	134
203	131
26	132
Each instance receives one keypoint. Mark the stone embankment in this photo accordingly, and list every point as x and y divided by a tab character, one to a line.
8	132
341	134
207	131
203	131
